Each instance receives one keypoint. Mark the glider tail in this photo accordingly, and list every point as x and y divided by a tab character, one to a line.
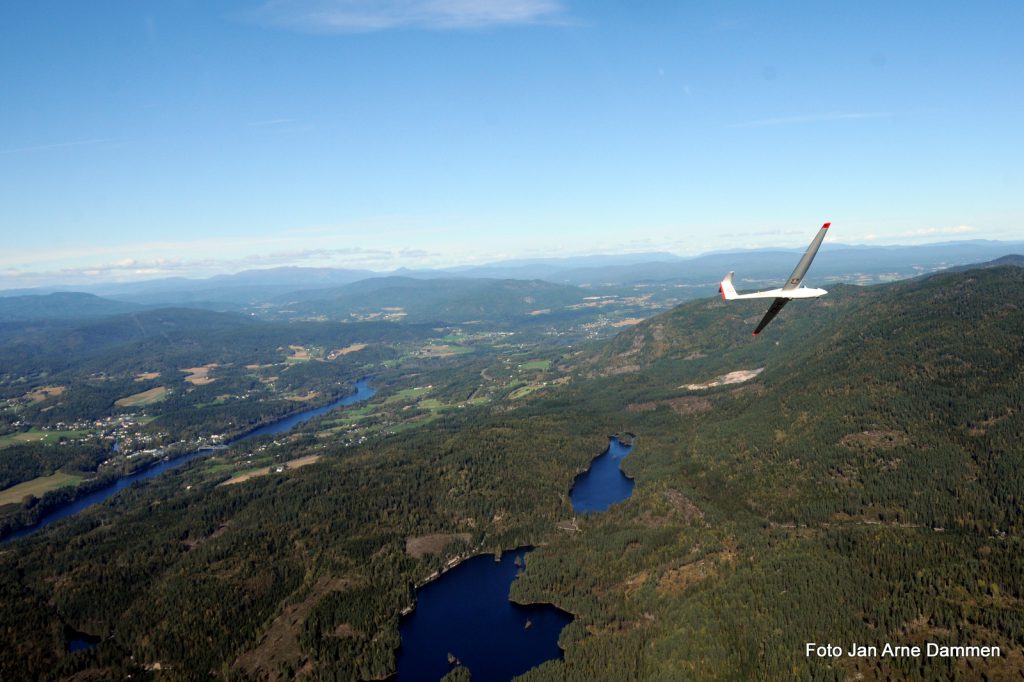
726	288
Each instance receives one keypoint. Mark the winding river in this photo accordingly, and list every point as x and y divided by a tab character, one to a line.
363	392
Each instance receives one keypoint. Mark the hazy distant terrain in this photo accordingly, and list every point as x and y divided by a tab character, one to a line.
667	277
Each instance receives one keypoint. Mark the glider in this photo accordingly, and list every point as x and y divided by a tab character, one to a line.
790	290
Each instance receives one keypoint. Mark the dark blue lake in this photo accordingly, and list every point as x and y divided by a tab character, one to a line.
603	484
363	392
466	612
79	641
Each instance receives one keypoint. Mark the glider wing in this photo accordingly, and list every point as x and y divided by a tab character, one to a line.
790	290
776	306
801	268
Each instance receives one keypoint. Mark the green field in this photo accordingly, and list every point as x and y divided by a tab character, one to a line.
407	394
37	486
536	364
145	398
523	391
37	436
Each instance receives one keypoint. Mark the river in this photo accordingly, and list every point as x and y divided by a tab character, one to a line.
363	392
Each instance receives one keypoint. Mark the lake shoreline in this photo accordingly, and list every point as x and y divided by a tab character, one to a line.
454	563
582	490
499	556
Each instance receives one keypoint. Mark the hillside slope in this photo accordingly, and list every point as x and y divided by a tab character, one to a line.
865	487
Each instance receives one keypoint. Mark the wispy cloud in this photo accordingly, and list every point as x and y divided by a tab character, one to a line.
810	118
355	16
56	145
937	231
130	269
926	233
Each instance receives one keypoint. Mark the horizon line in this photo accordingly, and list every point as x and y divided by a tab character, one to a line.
518	262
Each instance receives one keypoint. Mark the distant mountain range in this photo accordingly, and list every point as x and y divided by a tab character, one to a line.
243	290
441	300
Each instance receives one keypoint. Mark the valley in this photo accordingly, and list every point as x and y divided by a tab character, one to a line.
855	475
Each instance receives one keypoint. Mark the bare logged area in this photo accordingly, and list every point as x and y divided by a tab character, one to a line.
42	393
684	405
737	377
280	643
432	544
871	440
683	505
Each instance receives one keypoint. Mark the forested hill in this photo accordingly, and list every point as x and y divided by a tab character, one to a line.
438	300
710	332
1013	259
60	305
182	335
864	487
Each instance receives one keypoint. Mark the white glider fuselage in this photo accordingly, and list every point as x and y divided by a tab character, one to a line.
729	292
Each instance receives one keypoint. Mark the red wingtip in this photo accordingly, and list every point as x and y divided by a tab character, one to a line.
755	334
825	226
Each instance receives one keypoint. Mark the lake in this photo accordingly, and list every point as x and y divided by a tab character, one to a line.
603	484
467	612
363	392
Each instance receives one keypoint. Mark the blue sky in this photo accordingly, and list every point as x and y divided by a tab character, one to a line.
144	138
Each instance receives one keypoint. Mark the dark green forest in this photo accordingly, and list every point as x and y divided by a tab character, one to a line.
866	486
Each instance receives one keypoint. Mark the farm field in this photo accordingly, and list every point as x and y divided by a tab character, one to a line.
37	487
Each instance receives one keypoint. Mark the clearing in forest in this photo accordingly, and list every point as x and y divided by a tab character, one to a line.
417	547
263	471
37	487
737	377
200	376
353	348
280	645
144	398
43	392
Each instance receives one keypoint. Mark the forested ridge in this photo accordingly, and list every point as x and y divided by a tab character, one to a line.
865	486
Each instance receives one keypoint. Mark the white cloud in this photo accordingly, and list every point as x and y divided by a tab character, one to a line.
916	235
354	16
939	231
131	269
